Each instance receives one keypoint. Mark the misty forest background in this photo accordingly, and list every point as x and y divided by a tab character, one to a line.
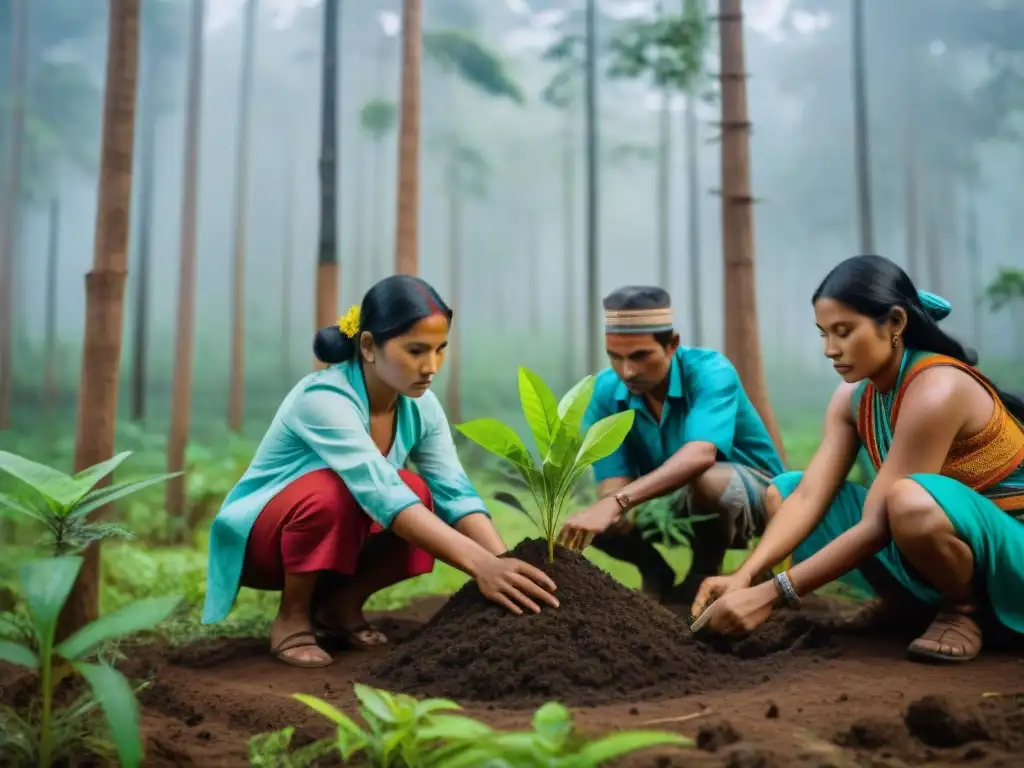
897	135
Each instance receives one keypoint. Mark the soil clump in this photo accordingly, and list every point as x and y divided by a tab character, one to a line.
605	643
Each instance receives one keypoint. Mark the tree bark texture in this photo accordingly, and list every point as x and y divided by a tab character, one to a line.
408	193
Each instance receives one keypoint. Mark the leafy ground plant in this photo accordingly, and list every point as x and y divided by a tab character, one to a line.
565	450
46	585
402	732
62	502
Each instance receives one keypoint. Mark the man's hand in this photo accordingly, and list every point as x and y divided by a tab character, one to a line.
579	530
738	612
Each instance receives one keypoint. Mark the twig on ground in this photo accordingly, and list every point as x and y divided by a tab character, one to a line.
679	719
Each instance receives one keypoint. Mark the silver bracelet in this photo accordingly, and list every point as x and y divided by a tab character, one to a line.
785	587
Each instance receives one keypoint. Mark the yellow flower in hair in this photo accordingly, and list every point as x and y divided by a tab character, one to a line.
349	322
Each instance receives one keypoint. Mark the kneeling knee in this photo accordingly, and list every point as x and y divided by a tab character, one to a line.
712	483
912	512
772	501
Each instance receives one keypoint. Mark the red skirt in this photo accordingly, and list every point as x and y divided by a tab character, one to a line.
315	524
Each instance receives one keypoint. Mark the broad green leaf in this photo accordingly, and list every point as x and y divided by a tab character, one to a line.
18	654
452	728
566	442
86	479
553	723
498	438
145	614
46	584
117	699
604	437
428	706
51	483
540	408
375	703
619	744
9	505
102	496
350	736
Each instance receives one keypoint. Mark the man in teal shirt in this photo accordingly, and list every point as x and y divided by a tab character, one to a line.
695	429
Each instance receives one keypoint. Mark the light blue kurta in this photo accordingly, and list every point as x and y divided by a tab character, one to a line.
324	423
705	402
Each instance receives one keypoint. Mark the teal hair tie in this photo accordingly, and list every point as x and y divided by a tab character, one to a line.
936	307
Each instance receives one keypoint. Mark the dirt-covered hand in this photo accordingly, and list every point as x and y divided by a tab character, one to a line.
713	588
580	529
741	610
512	583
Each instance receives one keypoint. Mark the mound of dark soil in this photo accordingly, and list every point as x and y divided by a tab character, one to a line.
605	643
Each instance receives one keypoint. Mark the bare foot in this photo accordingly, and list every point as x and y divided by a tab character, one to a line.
347	623
293	642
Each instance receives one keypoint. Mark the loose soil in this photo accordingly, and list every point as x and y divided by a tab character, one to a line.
798	693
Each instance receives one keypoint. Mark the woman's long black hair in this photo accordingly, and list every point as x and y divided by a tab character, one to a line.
389	309
874	286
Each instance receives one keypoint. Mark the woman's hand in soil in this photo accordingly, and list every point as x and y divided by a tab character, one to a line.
742	610
512	582
715	587
580	529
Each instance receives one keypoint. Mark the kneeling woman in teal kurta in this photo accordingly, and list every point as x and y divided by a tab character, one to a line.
327	512
944	515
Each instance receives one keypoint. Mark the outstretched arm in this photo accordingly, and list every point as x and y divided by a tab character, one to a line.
807	505
930	419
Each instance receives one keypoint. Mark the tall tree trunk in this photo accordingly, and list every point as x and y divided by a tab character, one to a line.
408	193
236	387
287	262
184	343
569	233
358	282
453	389
860	116
50	394
693	218
104	286
742	339
378	260
664	182
327	251
10	210
593	295
912	213
151	73
931	245
975	271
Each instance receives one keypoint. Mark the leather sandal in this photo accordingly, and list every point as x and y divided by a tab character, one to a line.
350	638
954	630
280	650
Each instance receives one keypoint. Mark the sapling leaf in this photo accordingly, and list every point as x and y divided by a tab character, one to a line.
497	438
540	409
552	723
46	585
18	654
10	507
429	706
566	441
144	614
351	738
47	481
103	496
618	744
117	700
86	479
451	728
375	703
570	397
604	437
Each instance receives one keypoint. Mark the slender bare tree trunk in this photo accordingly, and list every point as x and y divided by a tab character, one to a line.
236	387
913	206
184	343
50	341
10	210
408	193
593	293
453	388
147	167
862	153
693	219
663	191
742	340
287	263
569	233
327	252
104	286
975	272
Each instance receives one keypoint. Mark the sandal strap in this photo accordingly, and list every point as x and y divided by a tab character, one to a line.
281	647
963	627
